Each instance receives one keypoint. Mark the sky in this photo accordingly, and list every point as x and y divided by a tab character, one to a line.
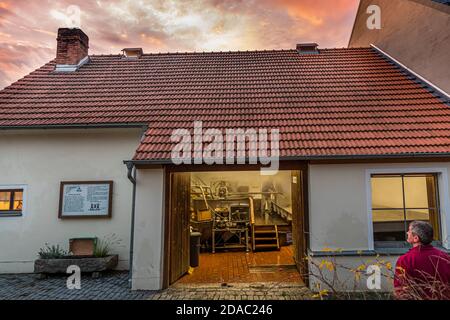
28	28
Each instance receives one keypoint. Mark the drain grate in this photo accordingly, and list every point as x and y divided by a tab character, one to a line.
272	268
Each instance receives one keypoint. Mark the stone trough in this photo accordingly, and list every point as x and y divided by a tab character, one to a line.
92	265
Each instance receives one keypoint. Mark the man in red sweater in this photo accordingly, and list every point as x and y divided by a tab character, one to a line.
423	272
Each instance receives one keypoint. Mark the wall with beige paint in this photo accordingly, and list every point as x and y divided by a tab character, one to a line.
347	281
339	213
415	32
339	198
40	160
149	230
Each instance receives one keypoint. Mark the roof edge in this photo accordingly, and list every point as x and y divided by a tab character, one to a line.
441	93
434	5
78	126
354	24
314	158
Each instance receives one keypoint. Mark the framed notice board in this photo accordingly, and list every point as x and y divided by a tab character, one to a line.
85	199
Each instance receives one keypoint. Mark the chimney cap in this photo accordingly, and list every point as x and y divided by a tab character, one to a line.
309	47
73	32
132	52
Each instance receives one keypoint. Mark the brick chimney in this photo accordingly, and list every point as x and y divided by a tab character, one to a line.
72	46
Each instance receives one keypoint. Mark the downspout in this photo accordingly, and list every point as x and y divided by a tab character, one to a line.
132	177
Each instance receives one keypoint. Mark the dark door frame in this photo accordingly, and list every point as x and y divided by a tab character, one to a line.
284	165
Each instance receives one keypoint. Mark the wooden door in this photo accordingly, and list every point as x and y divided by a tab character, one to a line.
298	226
179	225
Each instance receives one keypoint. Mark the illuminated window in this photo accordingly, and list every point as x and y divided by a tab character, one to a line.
399	199
11	202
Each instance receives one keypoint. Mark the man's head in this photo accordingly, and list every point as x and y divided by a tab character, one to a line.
420	232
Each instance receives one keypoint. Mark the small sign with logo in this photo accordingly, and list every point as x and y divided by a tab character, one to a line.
85	199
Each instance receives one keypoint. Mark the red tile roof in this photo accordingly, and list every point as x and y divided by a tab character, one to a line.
341	102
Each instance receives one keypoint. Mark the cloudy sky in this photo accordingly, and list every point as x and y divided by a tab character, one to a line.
28	27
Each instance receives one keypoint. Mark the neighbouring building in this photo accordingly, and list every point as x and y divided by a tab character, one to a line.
364	148
414	32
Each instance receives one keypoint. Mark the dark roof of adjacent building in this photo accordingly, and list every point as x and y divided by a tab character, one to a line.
447	2
338	103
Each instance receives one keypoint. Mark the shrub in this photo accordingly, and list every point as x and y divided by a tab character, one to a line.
348	284
52	252
104	246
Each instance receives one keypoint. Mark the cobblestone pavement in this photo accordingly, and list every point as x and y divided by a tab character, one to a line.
111	286
237	291
114	286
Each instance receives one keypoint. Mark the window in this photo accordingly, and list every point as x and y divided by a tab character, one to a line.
399	199
11	202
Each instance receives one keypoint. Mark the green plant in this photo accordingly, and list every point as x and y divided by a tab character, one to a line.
104	246
52	252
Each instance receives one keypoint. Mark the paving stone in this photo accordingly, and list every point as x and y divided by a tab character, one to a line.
112	286
115	286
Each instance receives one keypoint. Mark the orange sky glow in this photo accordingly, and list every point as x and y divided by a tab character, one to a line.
28	28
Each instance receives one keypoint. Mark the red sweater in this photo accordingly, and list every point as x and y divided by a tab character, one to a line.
423	273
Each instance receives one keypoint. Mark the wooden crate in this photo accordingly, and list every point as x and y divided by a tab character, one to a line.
82	246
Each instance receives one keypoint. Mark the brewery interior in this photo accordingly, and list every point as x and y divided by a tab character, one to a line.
244	222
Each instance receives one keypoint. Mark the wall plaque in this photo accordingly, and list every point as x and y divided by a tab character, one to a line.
85	199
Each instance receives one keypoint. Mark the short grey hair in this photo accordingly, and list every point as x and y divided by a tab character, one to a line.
423	230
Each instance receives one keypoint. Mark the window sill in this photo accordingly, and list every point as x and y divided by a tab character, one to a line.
341	253
384	251
399	250
10	214
391	250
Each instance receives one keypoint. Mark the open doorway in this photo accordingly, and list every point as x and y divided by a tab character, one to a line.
247	227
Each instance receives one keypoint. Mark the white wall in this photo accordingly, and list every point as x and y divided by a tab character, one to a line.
41	159
340	215
345	280
149	230
339	197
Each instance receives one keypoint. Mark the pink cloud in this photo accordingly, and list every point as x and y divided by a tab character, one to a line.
28	28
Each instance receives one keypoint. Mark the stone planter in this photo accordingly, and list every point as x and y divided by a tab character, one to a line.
86	264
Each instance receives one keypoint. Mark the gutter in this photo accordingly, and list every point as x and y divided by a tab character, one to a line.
310	158
131	174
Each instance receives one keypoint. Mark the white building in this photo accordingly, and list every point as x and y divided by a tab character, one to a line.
364	148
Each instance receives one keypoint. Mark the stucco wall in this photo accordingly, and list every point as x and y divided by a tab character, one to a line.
41	159
415	32
339	198
149	230
346	280
339	214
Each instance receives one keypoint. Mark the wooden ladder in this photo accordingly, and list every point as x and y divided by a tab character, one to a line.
265	238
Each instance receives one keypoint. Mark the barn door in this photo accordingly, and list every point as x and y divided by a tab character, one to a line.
298	231
179	225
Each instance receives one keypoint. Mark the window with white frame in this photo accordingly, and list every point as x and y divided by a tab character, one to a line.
11	202
398	199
